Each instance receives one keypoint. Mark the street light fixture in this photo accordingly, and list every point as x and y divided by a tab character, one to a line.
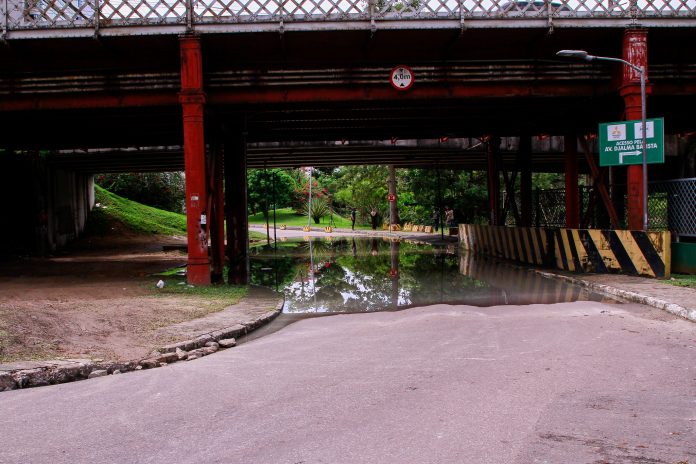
583	55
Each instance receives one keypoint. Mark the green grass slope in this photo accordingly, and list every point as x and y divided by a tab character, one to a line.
133	215
137	217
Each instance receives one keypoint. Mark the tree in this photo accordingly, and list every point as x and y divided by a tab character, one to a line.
364	188
269	186
465	192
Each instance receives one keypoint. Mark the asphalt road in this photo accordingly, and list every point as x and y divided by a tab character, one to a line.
568	383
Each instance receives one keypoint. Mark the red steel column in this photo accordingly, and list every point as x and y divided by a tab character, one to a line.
217	214
635	51
525	163
192	101
236	209
572	200
493	180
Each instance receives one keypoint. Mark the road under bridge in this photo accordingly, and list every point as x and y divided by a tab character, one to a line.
215	94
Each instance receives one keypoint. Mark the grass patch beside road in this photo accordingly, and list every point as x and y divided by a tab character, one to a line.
288	217
175	284
683	280
230	293
217	297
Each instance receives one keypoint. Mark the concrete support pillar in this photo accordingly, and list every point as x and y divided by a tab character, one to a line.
525	163
635	51
572	200
236	209
493	180
192	101
217	213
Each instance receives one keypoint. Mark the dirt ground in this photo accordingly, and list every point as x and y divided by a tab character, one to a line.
96	299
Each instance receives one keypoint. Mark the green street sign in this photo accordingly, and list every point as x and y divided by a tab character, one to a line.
621	143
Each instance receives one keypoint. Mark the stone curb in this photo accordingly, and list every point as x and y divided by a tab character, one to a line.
678	310
39	374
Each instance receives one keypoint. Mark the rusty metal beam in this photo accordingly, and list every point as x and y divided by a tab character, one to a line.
599	183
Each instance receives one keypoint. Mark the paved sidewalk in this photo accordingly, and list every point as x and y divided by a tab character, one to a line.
659	294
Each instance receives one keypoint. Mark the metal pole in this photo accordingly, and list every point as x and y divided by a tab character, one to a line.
5	21
309	202
97	7
641	70
645	149
265	203
275	227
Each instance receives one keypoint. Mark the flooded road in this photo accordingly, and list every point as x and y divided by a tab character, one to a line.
325	276
347	275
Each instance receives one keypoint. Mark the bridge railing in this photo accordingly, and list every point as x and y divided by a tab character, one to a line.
56	14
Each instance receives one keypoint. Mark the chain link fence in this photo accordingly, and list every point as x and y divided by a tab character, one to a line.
672	203
671	206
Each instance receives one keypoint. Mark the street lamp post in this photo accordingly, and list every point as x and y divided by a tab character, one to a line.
583	55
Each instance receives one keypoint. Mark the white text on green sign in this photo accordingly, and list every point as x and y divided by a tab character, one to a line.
621	143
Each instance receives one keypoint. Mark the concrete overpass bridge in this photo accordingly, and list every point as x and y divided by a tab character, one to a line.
157	85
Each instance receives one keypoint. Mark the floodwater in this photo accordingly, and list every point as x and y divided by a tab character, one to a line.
349	275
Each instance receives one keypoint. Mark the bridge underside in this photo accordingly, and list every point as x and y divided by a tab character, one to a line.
323	98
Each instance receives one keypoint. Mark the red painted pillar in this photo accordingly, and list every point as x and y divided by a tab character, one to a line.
236	209
217	214
493	180
635	51
525	163
192	101
572	200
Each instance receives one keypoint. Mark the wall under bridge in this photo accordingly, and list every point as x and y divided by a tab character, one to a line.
576	250
42	207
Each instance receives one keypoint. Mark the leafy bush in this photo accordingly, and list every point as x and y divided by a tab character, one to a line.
320	208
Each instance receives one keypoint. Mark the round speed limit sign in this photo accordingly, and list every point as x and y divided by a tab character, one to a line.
401	78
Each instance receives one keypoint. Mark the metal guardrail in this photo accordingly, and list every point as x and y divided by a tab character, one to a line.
16	15
671	206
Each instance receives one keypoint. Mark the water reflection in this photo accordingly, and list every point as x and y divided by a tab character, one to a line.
325	275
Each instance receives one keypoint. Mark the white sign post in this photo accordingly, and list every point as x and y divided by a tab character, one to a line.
401	78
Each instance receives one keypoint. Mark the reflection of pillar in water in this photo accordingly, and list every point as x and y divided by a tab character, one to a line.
394	271
441	259
311	268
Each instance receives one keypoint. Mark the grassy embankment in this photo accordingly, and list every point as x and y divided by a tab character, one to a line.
144	219
288	217
133	216
138	217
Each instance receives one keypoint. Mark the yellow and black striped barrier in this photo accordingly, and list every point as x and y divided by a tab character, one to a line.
632	252
576	250
528	245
